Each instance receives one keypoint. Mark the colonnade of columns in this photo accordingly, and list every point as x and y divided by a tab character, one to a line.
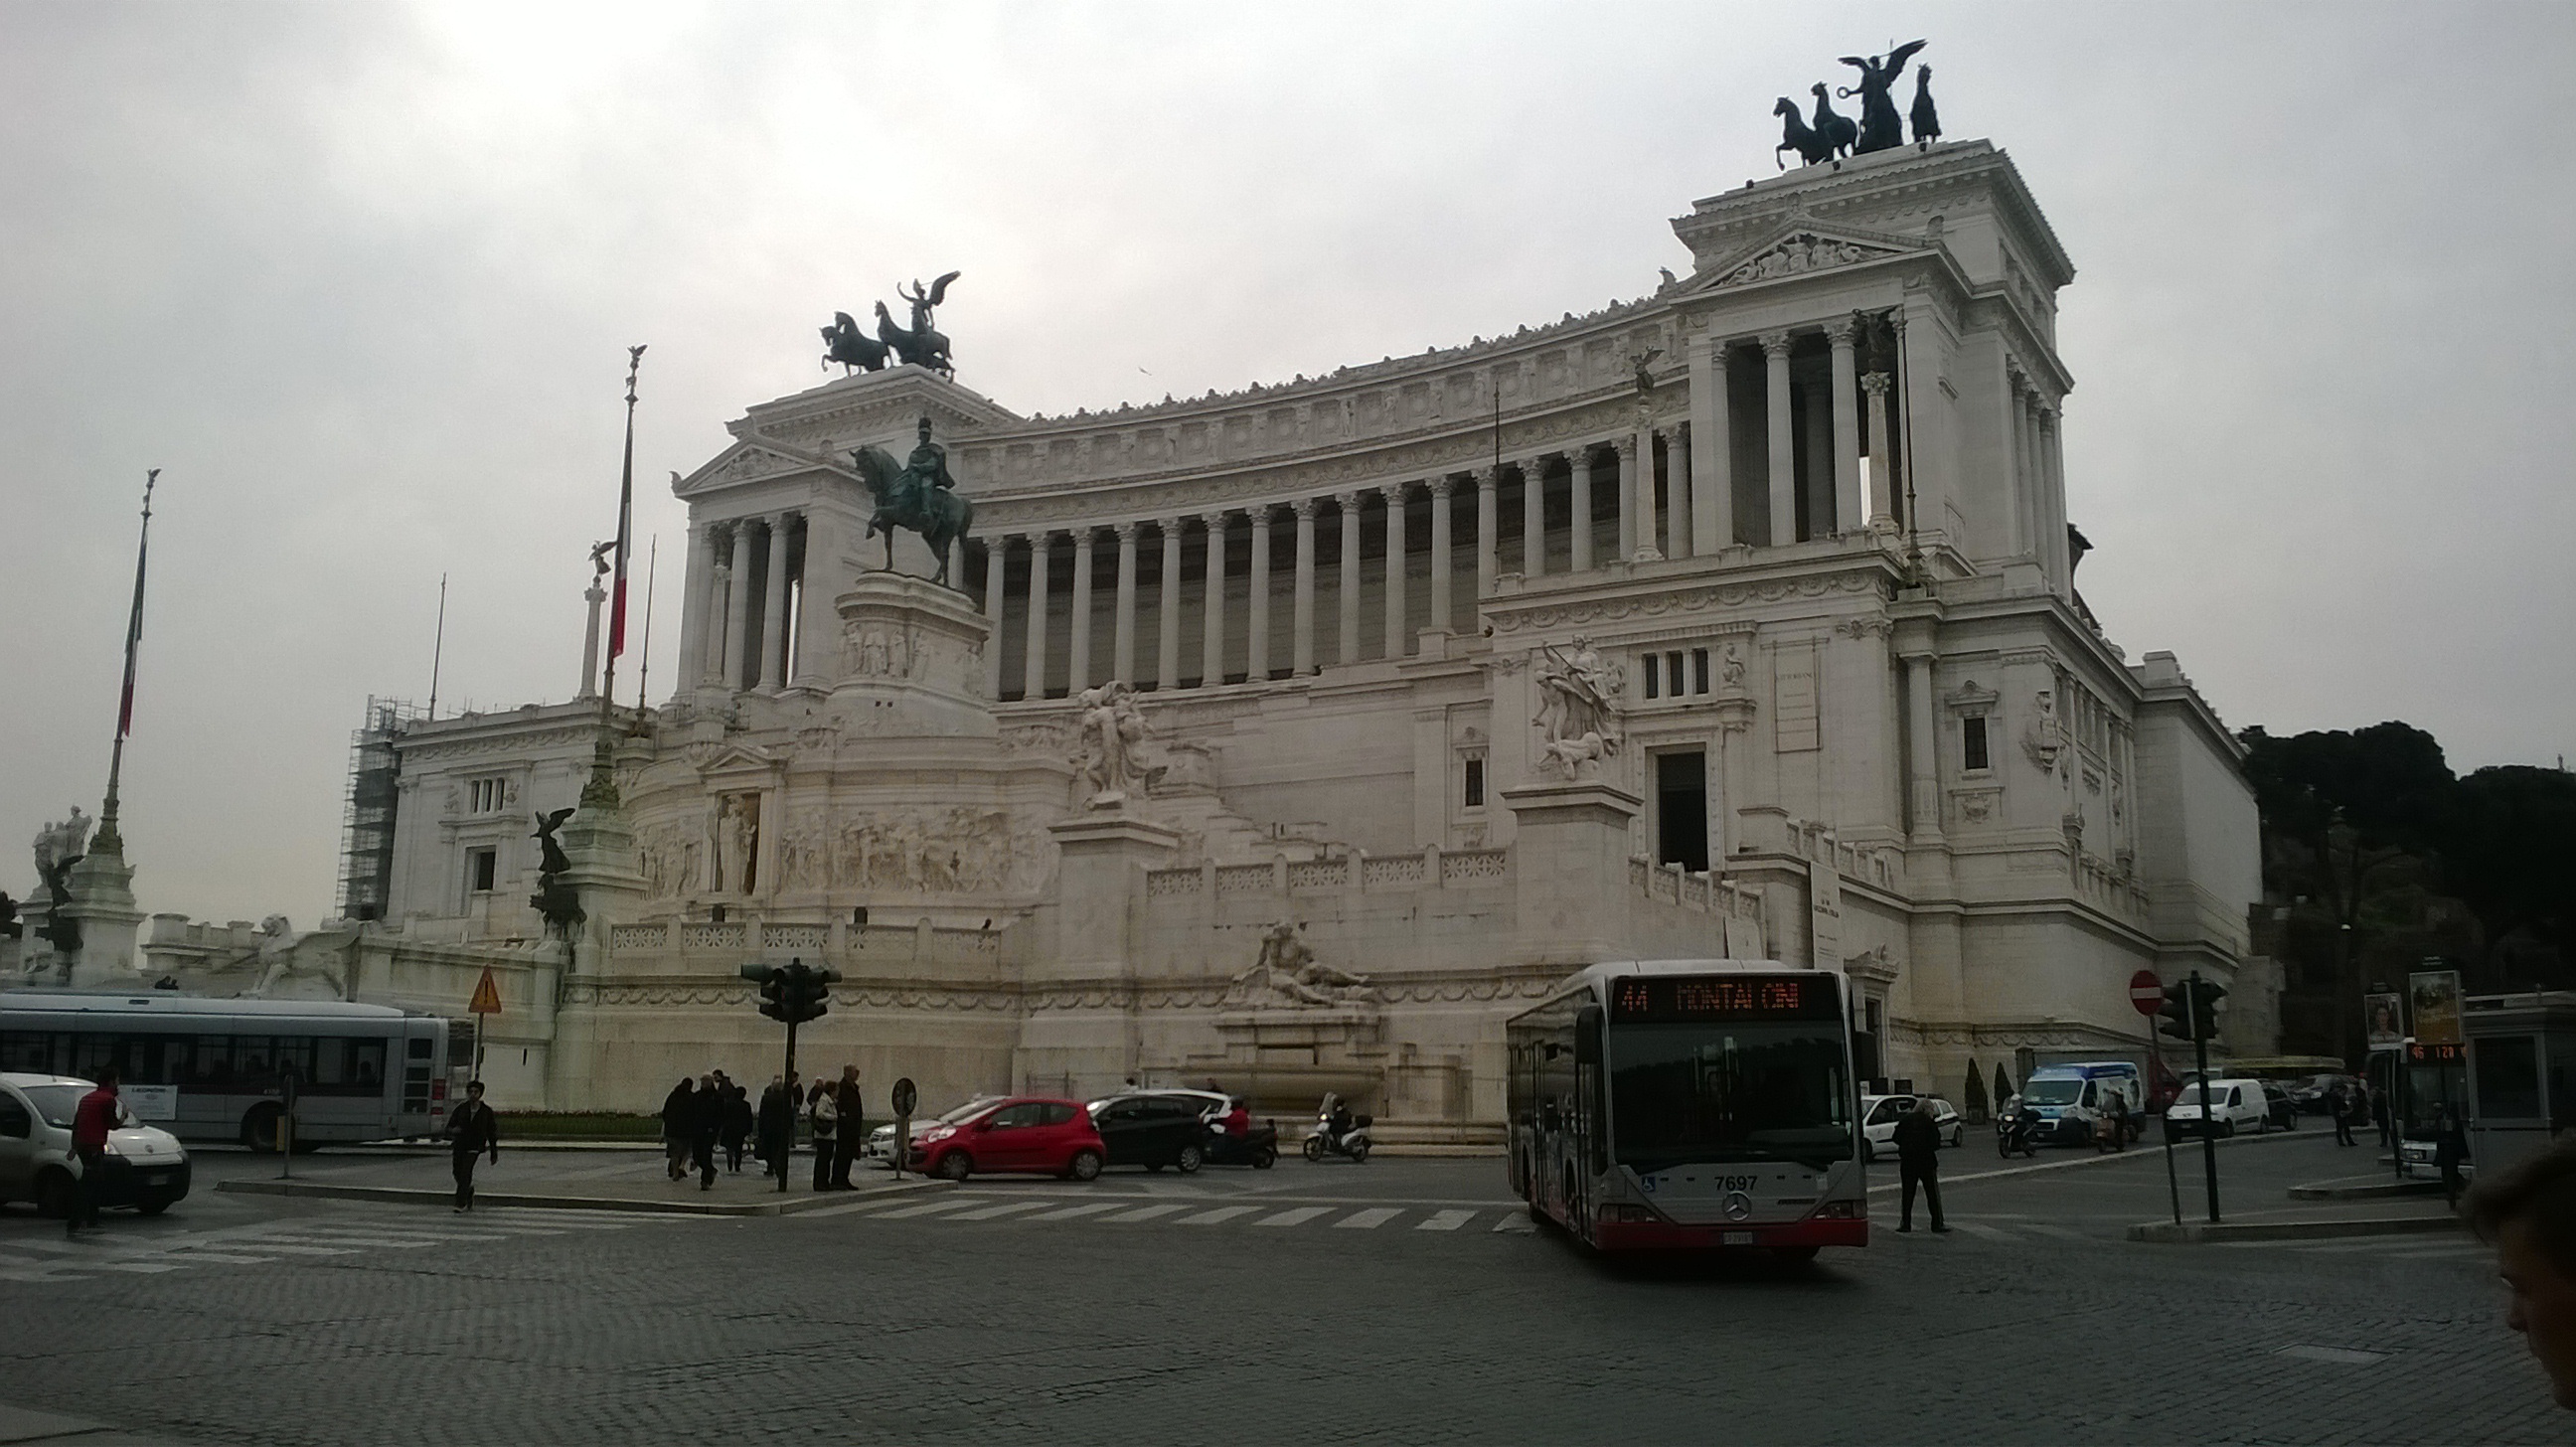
738	625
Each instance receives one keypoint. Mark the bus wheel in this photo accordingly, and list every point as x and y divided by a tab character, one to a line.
259	1128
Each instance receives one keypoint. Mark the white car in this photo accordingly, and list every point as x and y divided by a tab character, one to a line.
1880	1113
146	1167
879	1146
2234	1105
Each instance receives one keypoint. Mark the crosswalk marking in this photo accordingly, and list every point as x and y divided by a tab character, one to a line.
1991	1233
2044	1229
1144	1213
1368	1220
1007	1208
1091	1208
1221	1213
930	1209
1515	1223
1297	1217
1445	1220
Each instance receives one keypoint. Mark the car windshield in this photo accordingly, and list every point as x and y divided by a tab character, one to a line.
1701	1092
56	1102
2051	1092
969	1110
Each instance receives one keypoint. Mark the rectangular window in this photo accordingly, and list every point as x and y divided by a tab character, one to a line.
482	867
1475	795
1699	670
1974	730
1673	671
485	795
1654	675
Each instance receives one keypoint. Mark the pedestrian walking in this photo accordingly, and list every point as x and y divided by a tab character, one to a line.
823	1114
1918	1162
739	1123
679	1114
777	1119
97	1113
2339	1104
2379	1113
2450	1148
2528	1213
473	1131
704	1126
852	1113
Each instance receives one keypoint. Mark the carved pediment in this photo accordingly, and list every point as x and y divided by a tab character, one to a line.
1798	250
734	759
743	462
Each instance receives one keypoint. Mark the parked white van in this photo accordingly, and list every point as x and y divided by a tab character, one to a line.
2234	1105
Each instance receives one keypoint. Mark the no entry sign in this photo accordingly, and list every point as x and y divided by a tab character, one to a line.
2146	992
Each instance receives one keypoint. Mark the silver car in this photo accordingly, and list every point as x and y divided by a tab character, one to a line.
1880	1113
145	1168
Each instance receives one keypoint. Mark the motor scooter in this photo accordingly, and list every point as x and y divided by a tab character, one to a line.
2017	1133
1353	1143
1257	1147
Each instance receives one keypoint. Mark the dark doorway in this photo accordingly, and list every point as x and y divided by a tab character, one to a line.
1681	810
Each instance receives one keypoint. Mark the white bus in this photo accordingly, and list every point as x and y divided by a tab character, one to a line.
1690	1104
361	1072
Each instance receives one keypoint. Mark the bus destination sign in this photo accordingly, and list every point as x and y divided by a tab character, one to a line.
1653	998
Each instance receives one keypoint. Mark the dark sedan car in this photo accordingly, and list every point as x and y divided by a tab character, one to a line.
1156	1128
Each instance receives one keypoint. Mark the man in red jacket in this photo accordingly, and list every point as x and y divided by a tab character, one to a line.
92	1119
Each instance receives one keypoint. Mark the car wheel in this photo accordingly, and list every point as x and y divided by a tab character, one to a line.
1958	1136
259	1129
1085	1166
1191	1159
1314	1148
2227	1130
954	1166
1868	1150
1359	1153
53	1195
1269	1157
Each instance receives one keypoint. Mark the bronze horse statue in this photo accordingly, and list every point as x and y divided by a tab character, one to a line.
941	515
855	350
1813	146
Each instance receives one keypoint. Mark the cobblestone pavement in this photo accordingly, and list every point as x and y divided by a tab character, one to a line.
1403	1301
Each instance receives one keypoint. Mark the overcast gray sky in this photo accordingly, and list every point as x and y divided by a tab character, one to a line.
361	279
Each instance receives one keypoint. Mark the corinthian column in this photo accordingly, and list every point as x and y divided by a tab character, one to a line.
997	556
1489	484
1712	487
1212	642
1677	491
1167	607
738	609
1579	483
1784	456
1078	660
1440	550
1347	504
1122	648
1625	448
1301	646
1534	518
1882	481
773	617
1033	676
1257	652
1395	632
1847	501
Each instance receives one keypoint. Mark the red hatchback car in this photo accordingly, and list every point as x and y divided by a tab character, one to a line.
1024	1133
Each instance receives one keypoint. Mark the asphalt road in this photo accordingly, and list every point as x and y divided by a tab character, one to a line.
1401	1301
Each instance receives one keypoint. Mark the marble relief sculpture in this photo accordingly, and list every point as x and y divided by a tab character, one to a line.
1113	738
1578	710
1287	973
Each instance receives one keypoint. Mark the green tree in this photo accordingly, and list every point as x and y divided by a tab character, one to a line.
2509	851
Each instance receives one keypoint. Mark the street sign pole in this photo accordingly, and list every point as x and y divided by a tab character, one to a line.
2200	1022
2147	997
787	1081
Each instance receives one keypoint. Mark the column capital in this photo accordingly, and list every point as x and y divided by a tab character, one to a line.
1775	345
1840	331
1168	527
1348	502
1394	492
1533	467
1489	478
1677	431
1304	508
1626	443
1260	513
1216	521
1442	486
1040	537
1876	383
1126	531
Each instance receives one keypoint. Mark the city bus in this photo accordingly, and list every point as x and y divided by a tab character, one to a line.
218	1070
1688	1104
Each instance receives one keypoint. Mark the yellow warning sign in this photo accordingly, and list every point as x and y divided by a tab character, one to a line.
487	995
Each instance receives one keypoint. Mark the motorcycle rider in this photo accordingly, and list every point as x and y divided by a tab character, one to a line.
1337	1120
1237	1121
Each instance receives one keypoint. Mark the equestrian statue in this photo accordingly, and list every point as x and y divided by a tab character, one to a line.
917	495
1881	128
1830	136
920	345
855	350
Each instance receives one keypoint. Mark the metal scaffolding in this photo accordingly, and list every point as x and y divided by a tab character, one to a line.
367	814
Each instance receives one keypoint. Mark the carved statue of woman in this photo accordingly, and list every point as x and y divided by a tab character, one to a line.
1881	128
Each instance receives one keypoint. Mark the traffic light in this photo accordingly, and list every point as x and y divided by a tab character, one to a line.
795	992
2190	1010
2175	1016
773	990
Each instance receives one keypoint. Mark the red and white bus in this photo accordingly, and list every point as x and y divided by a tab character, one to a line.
1690	1104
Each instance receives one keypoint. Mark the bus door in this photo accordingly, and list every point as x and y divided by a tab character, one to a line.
1590	1143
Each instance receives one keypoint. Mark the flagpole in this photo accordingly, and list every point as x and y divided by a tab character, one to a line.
109	842
652	568
601	791
438	647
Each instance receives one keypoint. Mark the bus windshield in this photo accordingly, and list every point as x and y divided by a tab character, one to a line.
2051	1092
1736	1092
